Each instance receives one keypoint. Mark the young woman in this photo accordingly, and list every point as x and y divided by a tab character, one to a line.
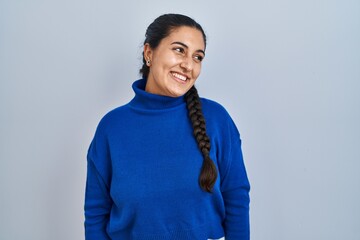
167	165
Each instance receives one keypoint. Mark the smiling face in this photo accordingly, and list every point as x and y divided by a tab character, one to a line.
175	63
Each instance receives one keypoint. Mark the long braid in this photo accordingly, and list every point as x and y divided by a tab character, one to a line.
208	172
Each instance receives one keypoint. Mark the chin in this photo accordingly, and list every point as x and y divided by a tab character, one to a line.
179	92
176	94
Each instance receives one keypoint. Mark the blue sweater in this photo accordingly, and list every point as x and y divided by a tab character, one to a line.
143	170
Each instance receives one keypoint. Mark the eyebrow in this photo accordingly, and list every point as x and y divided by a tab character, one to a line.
185	46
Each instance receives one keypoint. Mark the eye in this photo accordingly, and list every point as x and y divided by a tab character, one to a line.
199	58
179	49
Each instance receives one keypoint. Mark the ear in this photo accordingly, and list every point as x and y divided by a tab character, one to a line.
148	52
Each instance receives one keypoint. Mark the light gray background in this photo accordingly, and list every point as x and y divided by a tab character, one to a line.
287	71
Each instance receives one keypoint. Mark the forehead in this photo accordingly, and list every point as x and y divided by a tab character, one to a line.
190	36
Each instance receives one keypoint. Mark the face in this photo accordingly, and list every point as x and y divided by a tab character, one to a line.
176	63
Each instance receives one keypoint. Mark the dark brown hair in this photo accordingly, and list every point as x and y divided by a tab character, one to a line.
158	30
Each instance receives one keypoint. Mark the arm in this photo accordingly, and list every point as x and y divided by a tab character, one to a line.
235	187
97	205
98	202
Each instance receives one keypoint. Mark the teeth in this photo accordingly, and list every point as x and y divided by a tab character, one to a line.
181	77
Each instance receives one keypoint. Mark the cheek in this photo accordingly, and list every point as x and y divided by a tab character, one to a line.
167	60
172	61
197	70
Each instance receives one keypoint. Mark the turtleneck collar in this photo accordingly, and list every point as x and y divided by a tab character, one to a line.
149	101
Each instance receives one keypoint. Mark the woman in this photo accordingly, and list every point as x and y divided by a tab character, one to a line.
155	169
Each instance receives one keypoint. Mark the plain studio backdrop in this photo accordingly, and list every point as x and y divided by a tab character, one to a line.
288	72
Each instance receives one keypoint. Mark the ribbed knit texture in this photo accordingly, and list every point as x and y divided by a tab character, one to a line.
143	170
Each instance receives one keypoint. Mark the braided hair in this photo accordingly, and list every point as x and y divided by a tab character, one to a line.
159	29
208	172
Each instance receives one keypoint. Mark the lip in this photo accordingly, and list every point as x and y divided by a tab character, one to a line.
177	79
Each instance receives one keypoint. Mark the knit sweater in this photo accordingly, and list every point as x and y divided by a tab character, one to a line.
143	169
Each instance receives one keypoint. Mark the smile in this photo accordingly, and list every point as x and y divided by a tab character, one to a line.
179	76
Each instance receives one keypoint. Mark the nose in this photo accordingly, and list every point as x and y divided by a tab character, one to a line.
187	64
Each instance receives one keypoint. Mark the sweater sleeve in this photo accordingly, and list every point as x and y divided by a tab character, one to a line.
235	189
98	202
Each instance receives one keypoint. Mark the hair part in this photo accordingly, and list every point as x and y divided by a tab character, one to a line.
158	30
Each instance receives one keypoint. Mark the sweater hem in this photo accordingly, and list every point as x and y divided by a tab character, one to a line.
201	233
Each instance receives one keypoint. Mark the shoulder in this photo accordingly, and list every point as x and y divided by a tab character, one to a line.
214	110
113	118
218	118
